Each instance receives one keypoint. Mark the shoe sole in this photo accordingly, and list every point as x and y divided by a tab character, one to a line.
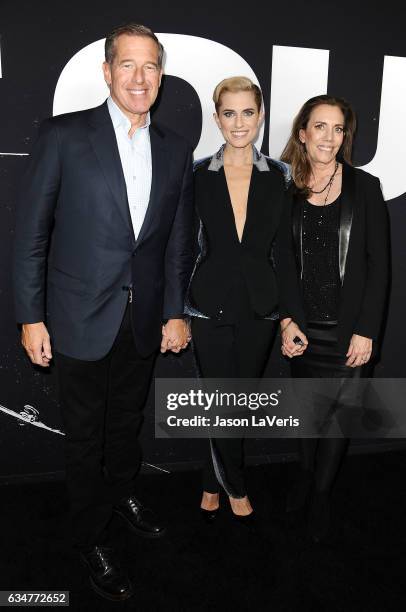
105	595
144	534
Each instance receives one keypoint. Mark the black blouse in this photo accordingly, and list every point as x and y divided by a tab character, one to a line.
321	279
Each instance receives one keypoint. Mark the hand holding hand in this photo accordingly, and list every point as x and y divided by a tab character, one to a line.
175	335
289	331
36	341
359	351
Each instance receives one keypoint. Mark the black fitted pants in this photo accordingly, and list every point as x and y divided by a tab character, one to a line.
238	350
102	404
322	457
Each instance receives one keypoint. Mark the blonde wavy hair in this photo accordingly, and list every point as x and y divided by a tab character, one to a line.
234	85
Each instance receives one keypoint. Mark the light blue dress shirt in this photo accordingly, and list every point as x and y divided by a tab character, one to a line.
136	161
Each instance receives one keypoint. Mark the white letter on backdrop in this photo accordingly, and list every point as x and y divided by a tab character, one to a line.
297	75
390	156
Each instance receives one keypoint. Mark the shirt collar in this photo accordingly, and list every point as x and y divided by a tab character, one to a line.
258	159
119	118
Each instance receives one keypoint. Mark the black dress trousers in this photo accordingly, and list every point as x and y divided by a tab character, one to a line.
102	404
237	346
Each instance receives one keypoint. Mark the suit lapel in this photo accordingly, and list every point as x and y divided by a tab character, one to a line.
224	209
346	214
297	229
160	164
256	192
104	143
260	201
253	201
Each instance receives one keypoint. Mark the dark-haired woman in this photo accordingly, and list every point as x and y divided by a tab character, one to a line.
240	195
333	277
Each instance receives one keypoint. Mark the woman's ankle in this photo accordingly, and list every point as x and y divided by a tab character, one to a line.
210	501
241	505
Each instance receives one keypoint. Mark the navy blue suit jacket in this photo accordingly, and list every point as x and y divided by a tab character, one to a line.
75	249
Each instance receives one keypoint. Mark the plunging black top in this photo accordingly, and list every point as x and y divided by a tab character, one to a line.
235	280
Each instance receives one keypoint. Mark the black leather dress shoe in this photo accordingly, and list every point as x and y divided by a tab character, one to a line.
142	520
106	576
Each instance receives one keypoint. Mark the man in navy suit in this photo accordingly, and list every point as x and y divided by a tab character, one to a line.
102	258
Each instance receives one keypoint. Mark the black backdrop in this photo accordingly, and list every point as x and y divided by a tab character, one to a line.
37	40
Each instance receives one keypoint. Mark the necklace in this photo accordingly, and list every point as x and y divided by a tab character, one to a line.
328	185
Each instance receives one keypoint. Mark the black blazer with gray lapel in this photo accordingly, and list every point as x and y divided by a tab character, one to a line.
222	255
364	254
75	250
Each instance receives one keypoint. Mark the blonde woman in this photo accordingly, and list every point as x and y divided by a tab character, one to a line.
233	299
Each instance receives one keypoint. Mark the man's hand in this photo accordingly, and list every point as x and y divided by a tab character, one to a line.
289	331
175	335
359	351
35	339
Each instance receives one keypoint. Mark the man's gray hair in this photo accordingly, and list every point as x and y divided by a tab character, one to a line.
131	29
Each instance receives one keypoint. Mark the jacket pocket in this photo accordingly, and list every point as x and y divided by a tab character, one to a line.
65	281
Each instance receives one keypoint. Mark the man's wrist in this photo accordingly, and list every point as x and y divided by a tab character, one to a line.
32	325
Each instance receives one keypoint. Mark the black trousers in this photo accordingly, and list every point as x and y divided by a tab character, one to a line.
102	404
238	350
323	456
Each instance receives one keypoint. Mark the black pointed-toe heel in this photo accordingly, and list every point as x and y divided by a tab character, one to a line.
209	516
247	520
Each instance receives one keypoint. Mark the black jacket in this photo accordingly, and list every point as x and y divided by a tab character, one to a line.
221	254
363	258
75	248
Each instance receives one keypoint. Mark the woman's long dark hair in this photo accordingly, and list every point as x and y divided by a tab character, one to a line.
295	151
